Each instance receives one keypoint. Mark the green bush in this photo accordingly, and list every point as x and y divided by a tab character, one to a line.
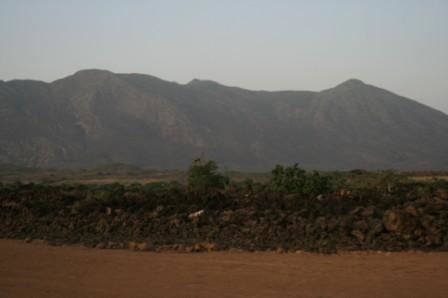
203	176
296	180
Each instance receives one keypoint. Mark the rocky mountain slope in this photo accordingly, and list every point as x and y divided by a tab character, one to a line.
97	117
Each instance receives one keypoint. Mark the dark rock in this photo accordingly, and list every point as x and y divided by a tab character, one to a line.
368	212
411	210
101	245
392	221
359	235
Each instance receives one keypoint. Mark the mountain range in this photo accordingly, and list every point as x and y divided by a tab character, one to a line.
96	117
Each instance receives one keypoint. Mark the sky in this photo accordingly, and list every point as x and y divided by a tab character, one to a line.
401	46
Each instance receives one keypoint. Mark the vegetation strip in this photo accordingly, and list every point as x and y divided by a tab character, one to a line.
294	210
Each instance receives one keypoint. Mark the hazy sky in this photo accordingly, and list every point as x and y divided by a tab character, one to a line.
306	45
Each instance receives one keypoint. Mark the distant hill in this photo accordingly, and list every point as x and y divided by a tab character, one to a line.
97	117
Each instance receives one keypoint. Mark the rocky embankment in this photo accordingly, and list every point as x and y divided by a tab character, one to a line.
170	218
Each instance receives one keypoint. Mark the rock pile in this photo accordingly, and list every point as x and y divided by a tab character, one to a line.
142	219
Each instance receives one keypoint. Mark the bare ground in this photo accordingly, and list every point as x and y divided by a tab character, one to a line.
32	270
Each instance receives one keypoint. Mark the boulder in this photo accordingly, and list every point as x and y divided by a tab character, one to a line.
392	221
359	235
195	215
442	194
100	245
132	245
368	212
142	246
139	246
40	242
208	246
411	210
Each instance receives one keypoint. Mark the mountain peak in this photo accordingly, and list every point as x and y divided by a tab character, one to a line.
199	81
203	83
92	75
352	83
348	86
91	72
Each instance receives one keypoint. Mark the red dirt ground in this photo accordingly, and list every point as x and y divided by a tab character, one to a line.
32	270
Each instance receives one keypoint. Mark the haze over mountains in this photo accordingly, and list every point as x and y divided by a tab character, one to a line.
98	117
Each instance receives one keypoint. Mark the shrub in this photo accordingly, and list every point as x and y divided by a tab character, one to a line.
296	180
203	176
288	179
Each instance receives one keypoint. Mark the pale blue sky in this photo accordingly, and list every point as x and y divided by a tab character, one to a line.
304	45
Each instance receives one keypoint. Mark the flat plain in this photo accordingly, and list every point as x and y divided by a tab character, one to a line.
36	270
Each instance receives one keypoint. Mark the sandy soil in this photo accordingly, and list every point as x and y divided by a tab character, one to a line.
32	270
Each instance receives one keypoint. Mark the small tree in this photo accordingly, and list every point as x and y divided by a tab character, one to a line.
203	175
296	180
288	179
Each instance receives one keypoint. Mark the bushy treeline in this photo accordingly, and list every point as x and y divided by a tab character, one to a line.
203	176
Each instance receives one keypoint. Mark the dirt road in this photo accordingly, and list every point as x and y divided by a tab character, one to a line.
32	270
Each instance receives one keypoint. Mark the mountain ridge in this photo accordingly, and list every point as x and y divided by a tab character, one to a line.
95	117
